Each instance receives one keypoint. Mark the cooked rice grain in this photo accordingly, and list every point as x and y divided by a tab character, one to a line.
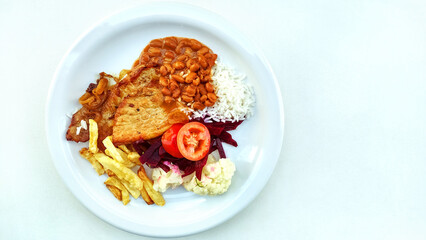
235	96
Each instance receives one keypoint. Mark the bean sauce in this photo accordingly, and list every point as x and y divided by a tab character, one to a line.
185	67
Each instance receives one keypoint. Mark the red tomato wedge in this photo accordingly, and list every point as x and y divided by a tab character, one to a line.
169	140
193	141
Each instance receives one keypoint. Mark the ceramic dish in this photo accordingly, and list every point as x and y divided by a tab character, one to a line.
114	44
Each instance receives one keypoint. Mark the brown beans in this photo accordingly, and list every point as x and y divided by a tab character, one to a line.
169	54
190	90
144	58
209	87
184	66
208	55
163	82
190	62
178	78
202	61
176	93
154	52
194	67
206	72
197	97
173	85
155	61
185	42
206	79
195	45
165	91
163	71
169	67
190	77
202	89
168	99
156	43
208	103
187	98
179	65
179	47
182	58
196	81
170	43
198	106
167	60
212	97
188	52
203	51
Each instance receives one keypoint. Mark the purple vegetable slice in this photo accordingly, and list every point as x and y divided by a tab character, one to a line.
199	167
227	138
220	148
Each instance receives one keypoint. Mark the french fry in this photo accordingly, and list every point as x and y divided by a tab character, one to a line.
110	173
124	148
116	162
146	197
126	159
126	162
133	191
93	136
85	153
120	170
115	191
113	152
114	181
155	196
123	155
134	158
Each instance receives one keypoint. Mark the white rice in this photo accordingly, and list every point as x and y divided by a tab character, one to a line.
235	97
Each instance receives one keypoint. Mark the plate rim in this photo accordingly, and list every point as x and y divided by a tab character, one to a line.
225	29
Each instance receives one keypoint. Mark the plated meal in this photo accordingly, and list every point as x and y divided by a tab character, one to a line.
162	123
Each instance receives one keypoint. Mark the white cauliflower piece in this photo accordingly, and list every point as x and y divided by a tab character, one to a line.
164	180
215	178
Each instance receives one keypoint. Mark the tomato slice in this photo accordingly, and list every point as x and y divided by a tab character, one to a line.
193	141
169	140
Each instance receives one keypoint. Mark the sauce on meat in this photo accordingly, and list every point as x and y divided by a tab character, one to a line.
179	68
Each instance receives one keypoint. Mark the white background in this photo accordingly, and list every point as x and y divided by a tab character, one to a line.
353	79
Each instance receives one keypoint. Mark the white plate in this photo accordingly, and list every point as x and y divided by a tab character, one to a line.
114	44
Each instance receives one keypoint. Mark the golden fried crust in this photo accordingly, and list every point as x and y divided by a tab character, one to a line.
145	117
83	136
129	86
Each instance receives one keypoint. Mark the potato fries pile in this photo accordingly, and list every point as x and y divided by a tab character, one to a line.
117	163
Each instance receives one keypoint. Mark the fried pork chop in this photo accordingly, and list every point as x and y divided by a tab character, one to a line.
145	116
130	89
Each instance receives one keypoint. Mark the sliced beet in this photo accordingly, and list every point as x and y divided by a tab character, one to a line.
151	155
188	170
162	151
141	146
214	130
199	167
163	166
185	165
220	148
212	149
232	125
227	138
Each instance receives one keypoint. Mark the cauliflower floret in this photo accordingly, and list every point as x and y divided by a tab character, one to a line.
164	180
215	178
